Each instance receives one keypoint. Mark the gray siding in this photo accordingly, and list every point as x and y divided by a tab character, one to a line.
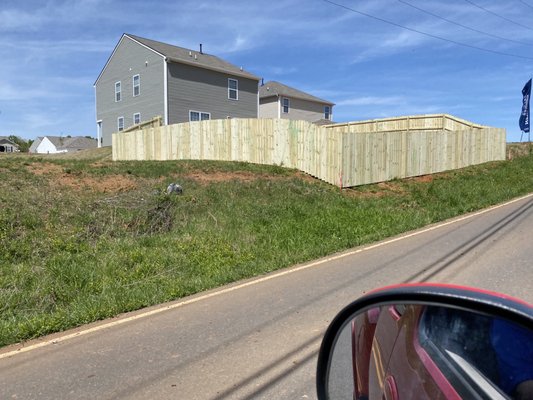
128	60
268	107
298	109
199	89
304	110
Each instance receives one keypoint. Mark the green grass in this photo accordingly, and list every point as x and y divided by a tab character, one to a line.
86	239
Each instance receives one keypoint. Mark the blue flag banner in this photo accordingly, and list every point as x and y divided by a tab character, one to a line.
524	117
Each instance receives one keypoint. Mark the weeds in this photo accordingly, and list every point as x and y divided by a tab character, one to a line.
82	240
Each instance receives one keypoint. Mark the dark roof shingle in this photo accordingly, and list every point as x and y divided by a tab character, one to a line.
72	143
273	88
192	57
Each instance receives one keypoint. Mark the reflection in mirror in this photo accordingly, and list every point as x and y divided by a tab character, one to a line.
430	352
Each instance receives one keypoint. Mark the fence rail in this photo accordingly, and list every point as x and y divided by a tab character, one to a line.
410	123
332	153
153	123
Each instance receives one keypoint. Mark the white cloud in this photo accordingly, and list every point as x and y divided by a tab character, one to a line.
9	92
17	20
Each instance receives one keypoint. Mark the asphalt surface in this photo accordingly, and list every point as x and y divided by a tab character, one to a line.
259	339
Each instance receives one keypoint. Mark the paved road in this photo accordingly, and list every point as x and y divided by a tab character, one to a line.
259	339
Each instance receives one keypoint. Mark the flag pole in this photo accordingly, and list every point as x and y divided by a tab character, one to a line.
529	140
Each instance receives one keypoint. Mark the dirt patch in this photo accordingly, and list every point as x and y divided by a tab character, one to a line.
378	190
383	189
306	177
391	187
45	169
364	195
106	184
206	178
57	175
423	178
60	175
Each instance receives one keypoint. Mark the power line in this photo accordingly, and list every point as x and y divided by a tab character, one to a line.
464	26
523	2
498	15
426	33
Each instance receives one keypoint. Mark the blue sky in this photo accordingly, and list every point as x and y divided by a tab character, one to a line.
52	52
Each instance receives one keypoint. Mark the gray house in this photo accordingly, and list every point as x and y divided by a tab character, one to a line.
7	146
277	100
143	79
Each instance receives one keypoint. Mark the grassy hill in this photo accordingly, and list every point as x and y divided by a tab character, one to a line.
83	238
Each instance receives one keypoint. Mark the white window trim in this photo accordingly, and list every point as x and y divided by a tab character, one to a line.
99	132
328	112
139	114
119	92
165	90
230	89
199	115
133	85
118	124
283	105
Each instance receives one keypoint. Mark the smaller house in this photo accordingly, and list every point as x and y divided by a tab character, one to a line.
277	100
7	146
59	144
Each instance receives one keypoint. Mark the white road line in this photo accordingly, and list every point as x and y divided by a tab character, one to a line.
312	264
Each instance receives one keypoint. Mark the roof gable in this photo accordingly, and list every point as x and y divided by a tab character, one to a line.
5	140
273	88
57	141
115	50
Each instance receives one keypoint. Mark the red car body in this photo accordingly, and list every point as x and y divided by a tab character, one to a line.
383	340
397	353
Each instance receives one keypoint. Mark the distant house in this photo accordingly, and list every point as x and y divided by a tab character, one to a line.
57	144
7	146
143	79
277	100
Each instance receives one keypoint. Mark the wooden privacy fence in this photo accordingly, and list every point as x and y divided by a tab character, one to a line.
153	123
331	153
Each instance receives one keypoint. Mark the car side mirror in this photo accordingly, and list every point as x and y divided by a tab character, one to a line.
428	341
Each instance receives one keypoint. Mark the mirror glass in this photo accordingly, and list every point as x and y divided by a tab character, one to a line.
408	351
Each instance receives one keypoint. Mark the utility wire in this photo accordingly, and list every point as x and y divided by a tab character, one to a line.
523	2
501	53
464	26
498	15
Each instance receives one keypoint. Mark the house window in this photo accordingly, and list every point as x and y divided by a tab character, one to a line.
233	89
136	85
118	96
120	123
199	116
327	112
286	105
136	118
